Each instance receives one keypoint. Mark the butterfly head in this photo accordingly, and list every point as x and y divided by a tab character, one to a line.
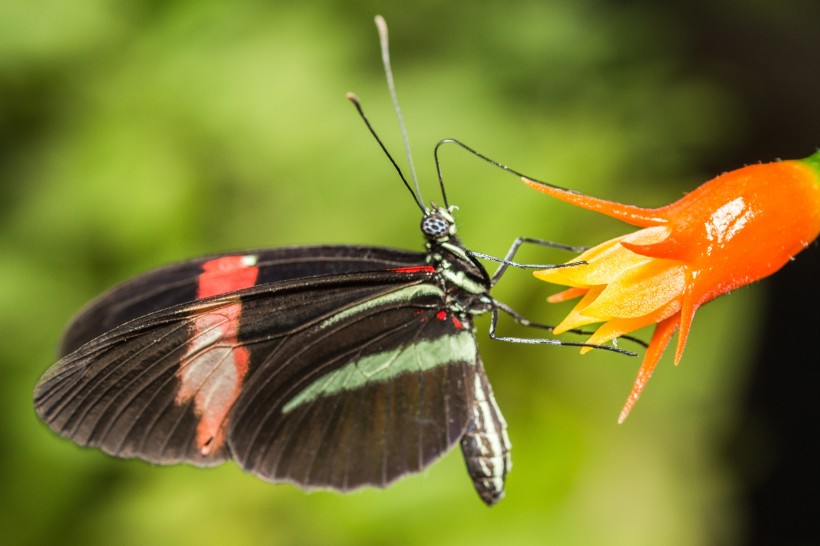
438	224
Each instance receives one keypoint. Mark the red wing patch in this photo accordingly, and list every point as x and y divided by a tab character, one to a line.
227	274
442	315
213	369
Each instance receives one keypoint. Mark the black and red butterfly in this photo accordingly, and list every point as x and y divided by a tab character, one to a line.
325	366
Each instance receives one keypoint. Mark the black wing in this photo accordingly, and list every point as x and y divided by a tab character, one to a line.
336	381
179	283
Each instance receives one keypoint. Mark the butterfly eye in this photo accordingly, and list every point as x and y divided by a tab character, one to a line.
436	226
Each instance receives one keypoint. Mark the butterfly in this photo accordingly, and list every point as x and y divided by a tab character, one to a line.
324	366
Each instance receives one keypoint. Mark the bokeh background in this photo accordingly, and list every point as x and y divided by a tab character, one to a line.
133	134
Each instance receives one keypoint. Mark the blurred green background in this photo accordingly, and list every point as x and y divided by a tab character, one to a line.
133	134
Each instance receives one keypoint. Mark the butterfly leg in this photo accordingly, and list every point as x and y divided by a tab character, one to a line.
523	321
507	261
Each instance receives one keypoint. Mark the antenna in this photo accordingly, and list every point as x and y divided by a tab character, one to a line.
388	71
355	100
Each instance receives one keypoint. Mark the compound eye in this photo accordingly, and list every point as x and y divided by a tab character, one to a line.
435	226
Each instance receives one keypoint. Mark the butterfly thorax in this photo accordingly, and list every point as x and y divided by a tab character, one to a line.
464	280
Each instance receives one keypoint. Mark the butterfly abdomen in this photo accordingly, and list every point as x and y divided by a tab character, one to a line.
486	445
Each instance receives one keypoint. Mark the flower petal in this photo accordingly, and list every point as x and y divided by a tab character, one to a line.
637	216
660	339
689	305
621	326
605	262
640	291
577	317
568	294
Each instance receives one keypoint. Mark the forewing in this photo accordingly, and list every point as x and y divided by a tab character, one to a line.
202	381
189	281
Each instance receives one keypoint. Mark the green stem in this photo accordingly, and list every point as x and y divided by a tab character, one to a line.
813	161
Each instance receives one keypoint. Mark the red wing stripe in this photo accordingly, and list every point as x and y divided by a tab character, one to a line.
213	369
414	269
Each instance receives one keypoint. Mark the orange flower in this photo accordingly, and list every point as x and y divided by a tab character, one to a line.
735	229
